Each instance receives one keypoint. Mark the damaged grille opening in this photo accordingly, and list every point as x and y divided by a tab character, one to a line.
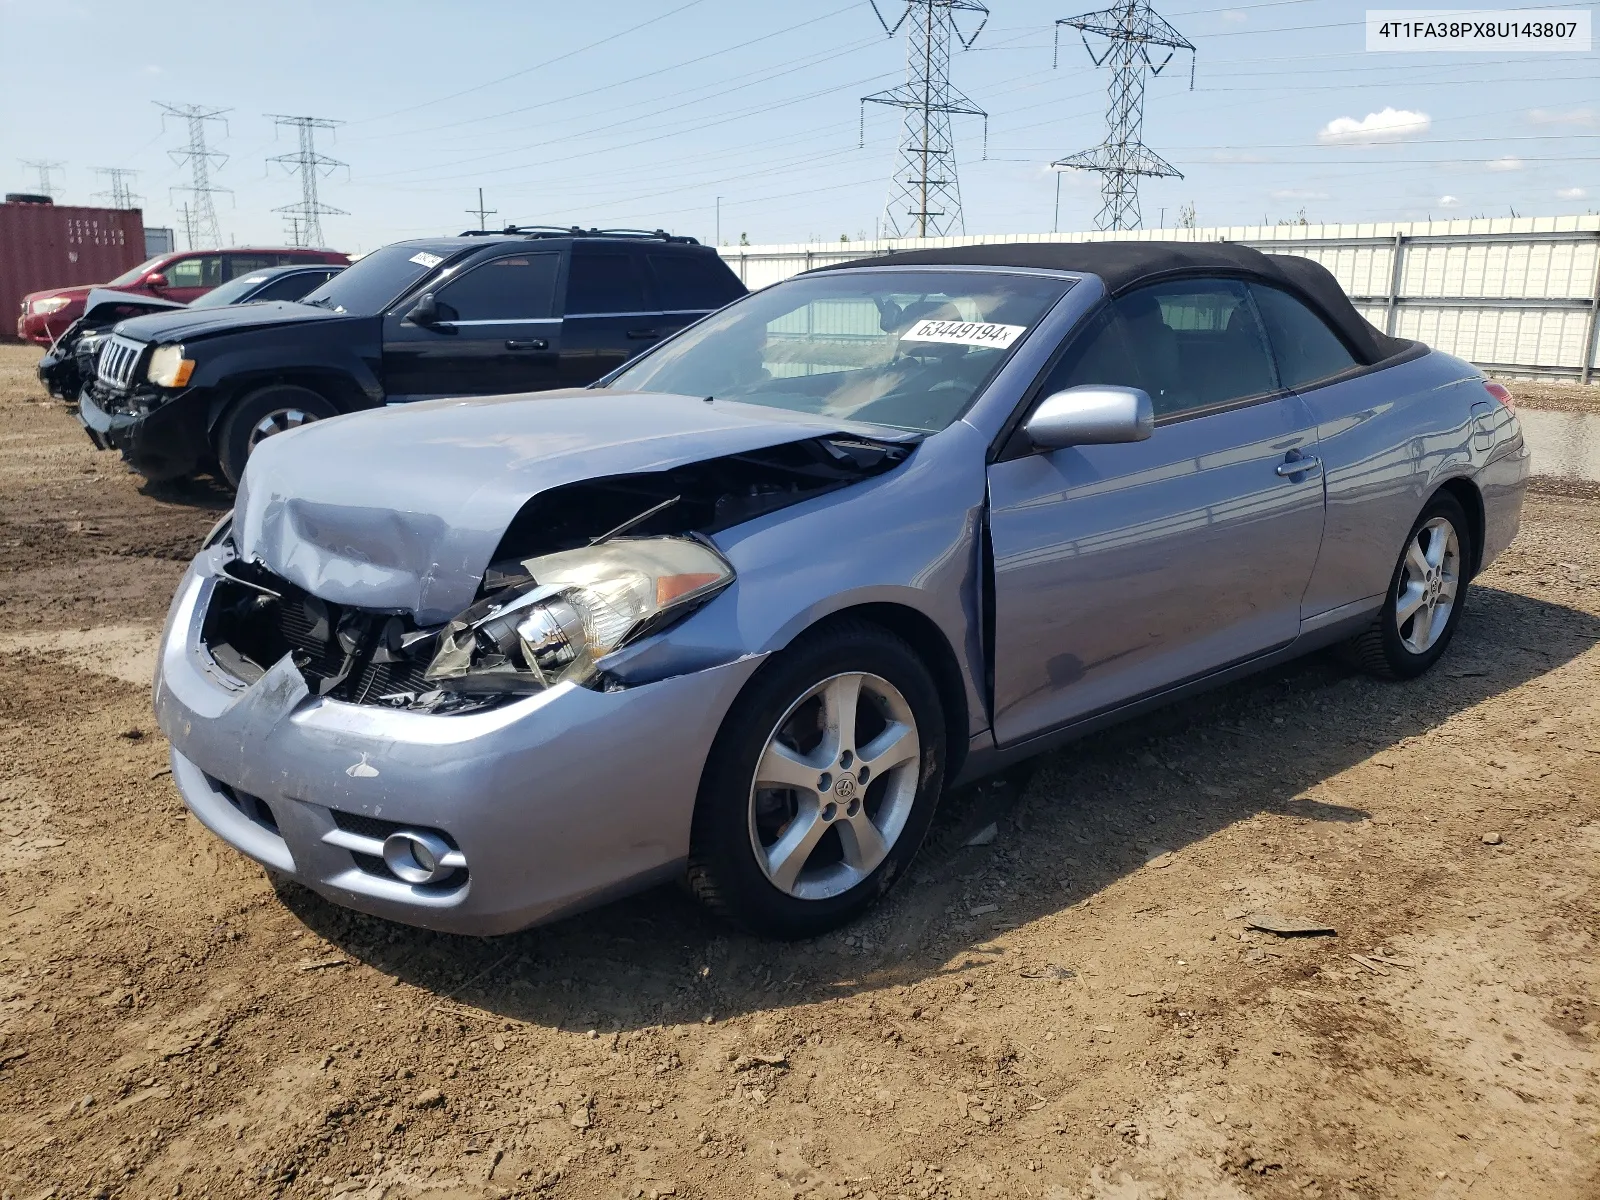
707	497
255	617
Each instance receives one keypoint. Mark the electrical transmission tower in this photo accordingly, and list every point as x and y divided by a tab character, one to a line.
1132	28
119	188
306	217
925	195
45	170
200	213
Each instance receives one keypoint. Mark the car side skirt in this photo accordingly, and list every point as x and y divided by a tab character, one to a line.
984	758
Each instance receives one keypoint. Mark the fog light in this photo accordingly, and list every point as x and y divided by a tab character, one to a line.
416	857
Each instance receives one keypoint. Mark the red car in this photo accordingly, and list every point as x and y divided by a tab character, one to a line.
179	276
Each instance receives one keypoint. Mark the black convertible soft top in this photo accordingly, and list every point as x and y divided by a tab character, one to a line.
1125	265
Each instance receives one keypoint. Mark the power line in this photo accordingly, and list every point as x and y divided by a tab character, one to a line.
119	189
45	170
478	87
925	193
200	214
305	218
1132	28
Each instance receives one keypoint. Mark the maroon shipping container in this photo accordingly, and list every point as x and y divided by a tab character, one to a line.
56	245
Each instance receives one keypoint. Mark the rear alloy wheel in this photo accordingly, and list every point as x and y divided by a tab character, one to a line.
271	410
821	784
1426	596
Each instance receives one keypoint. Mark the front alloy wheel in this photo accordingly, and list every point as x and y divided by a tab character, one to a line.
820	784
835	786
279	420
263	413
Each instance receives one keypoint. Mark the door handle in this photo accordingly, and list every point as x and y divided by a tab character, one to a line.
527	344
643	333
1308	466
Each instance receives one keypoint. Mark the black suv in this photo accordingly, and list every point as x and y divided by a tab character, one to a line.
520	310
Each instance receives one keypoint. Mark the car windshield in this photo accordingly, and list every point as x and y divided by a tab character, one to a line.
137	273
231	292
909	349
369	285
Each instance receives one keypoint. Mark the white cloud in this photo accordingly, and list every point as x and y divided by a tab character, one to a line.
1297	194
1571	194
1449	202
1571	116
1234	17
1237	156
1508	162
1390	125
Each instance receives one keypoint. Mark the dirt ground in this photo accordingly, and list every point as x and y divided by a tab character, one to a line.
1074	1010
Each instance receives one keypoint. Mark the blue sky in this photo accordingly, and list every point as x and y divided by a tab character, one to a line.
625	113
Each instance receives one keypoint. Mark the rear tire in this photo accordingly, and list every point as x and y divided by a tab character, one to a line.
260	414
1427	593
802	823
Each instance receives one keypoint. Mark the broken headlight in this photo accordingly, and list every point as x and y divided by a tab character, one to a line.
168	367
574	607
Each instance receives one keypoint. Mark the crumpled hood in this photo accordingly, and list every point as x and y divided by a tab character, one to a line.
189	323
110	298
402	507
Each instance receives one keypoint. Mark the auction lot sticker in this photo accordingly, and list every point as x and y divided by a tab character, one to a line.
1478	29
963	333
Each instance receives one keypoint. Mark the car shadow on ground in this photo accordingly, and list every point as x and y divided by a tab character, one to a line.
200	492
1092	813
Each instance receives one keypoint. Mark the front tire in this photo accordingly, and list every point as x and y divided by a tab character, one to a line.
820	785
261	414
1426	595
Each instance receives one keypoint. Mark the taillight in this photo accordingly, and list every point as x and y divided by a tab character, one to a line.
1501	393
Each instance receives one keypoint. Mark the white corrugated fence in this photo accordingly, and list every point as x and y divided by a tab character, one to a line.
1519	296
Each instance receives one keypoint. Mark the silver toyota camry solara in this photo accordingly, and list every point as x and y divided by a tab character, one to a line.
740	613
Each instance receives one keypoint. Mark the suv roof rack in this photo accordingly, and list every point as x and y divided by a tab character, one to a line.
575	231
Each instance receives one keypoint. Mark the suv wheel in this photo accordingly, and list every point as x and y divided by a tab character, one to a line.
820	785
255	417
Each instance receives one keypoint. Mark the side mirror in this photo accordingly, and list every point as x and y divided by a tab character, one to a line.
1092	414
155	279
425	311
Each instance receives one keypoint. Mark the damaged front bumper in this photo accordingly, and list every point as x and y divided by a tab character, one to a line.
543	805
160	444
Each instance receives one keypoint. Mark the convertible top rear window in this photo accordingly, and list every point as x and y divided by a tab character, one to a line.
908	349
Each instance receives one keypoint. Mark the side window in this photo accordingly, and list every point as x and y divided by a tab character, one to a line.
1198	344
605	283
292	287
243	264
515	287
1099	354
693	282
202	271
1306	349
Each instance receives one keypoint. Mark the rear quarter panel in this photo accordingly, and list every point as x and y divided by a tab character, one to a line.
1388	440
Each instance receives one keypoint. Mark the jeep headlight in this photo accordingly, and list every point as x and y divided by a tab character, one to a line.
576	607
168	367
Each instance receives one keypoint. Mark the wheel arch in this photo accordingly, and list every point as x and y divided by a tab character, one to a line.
925	637
1466	494
333	385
